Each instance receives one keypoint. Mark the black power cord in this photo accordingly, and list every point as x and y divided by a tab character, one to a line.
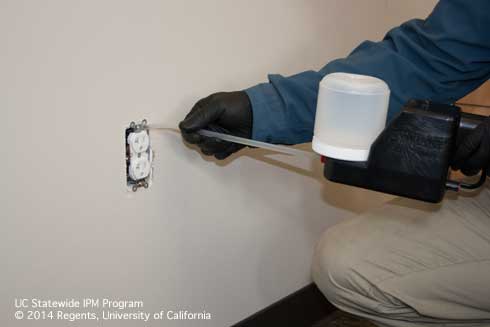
457	186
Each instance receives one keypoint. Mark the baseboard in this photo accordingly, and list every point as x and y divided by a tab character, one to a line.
302	308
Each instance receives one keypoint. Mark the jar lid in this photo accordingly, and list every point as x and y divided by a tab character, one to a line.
354	84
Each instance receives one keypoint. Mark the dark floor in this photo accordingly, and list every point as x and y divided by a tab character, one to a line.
342	319
305	307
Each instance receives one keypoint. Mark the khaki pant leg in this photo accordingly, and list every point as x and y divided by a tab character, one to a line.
411	264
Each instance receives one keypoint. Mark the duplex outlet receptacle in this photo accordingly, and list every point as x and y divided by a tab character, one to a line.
139	156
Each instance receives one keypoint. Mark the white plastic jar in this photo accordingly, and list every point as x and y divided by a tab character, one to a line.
351	113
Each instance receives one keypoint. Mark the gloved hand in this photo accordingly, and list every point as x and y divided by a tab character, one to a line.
473	154
224	112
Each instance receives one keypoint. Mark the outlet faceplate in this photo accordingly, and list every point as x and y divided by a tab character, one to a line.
139	156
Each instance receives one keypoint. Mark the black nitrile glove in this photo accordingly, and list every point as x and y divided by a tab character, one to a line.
473	154
224	112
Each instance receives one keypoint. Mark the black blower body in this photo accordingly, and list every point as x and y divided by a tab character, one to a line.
411	157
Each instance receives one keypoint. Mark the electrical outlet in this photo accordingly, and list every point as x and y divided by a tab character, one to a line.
139	167
139	142
139	156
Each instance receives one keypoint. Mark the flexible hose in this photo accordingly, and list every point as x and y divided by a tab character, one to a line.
476	185
457	186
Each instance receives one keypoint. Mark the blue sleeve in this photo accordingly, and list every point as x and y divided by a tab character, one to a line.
441	58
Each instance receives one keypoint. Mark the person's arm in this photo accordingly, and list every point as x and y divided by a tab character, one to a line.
441	58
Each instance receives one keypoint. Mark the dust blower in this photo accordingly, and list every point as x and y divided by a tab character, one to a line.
409	157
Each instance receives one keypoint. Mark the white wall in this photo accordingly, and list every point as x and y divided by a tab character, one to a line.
403	10
228	238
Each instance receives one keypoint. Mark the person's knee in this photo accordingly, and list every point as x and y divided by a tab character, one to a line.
345	277
339	270
333	263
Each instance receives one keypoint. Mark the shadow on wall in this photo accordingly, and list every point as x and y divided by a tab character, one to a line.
352	199
340	196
